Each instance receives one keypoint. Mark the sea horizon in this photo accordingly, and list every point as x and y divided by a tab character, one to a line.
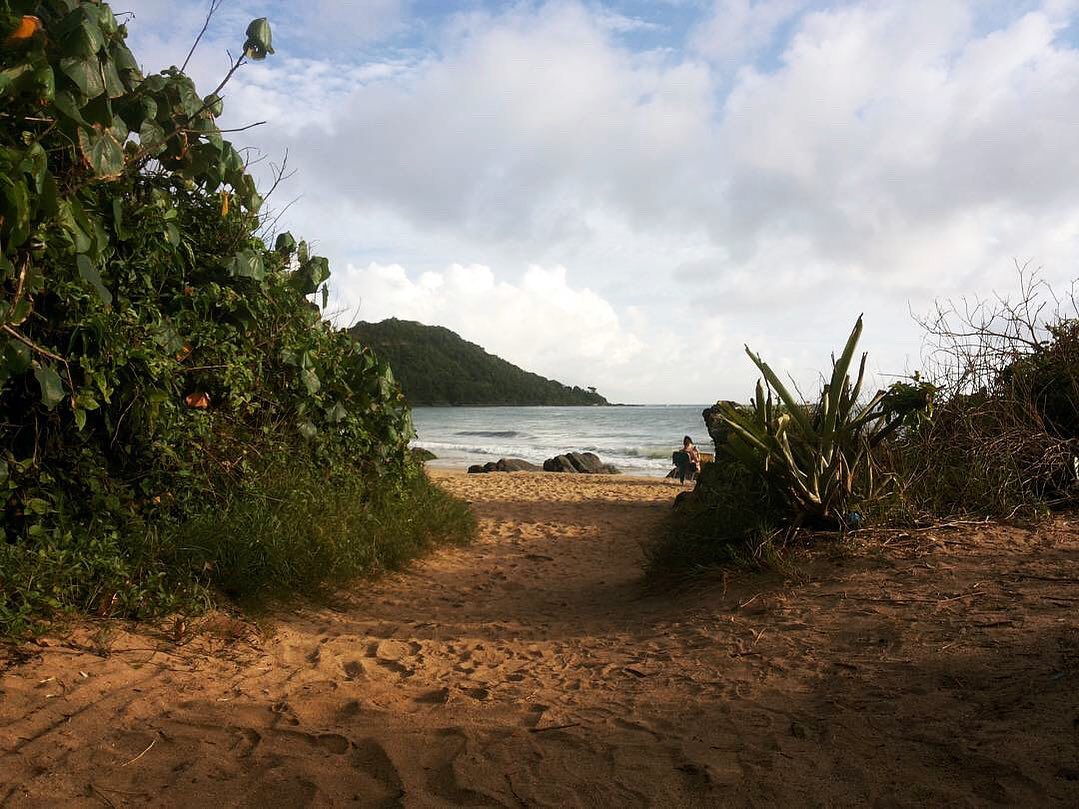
638	439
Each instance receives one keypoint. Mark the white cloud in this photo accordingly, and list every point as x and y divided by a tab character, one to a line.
794	164
623	23
737	29
539	321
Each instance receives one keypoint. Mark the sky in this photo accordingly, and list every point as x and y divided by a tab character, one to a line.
623	194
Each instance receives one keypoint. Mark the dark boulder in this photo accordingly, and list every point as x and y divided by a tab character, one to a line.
505	465
585	463
559	463
517	465
421	455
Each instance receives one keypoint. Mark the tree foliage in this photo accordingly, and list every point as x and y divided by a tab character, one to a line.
155	353
436	367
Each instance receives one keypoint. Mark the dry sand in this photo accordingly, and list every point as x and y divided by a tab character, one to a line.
939	668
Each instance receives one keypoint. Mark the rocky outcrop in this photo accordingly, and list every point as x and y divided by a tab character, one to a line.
718	429
421	455
505	465
585	463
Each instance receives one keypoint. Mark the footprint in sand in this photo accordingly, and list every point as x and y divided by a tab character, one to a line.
354	669
440	696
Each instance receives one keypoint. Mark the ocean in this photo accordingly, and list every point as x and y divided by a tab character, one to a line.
638	440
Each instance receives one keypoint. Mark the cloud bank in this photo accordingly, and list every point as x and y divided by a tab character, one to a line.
622	199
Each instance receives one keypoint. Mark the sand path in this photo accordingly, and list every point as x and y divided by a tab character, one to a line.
529	669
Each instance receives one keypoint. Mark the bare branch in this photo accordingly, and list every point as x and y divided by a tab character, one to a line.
214	6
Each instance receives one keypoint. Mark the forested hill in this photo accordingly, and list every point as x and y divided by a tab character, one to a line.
436	367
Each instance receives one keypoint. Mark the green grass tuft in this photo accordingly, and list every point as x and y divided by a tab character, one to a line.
289	531
303	533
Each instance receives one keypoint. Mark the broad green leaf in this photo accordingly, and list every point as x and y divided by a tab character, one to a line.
123	57
285	243
106	19
98	111
15	209
89	273
45	81
86	73
214	105
152	136
38	165
14	361
308	430
247	264
310	275
318	269
52	389
189	100
17	314
86	40
233	164
114	86
70	213
102	152
310	381
66	104
337	413
154	84
9	78
259	39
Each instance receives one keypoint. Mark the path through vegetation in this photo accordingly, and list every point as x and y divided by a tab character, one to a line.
531	670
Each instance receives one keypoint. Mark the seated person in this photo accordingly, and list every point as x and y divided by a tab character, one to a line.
688	460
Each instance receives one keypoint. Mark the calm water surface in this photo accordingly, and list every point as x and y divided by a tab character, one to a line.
638	440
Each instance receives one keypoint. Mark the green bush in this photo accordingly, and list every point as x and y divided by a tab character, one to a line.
782	464
156	355
729	518
819	460
1007	450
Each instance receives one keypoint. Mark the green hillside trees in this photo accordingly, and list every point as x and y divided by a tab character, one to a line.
436	367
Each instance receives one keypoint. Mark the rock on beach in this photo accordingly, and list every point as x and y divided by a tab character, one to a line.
586	463
505	465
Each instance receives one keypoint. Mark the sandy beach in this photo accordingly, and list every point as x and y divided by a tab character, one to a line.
939	667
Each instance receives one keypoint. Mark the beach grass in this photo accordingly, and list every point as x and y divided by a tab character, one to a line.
306	534
289	531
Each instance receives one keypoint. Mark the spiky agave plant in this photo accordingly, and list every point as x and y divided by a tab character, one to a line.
821	457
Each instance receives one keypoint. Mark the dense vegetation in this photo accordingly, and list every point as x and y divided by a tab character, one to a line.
436	367
994	435
176	418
